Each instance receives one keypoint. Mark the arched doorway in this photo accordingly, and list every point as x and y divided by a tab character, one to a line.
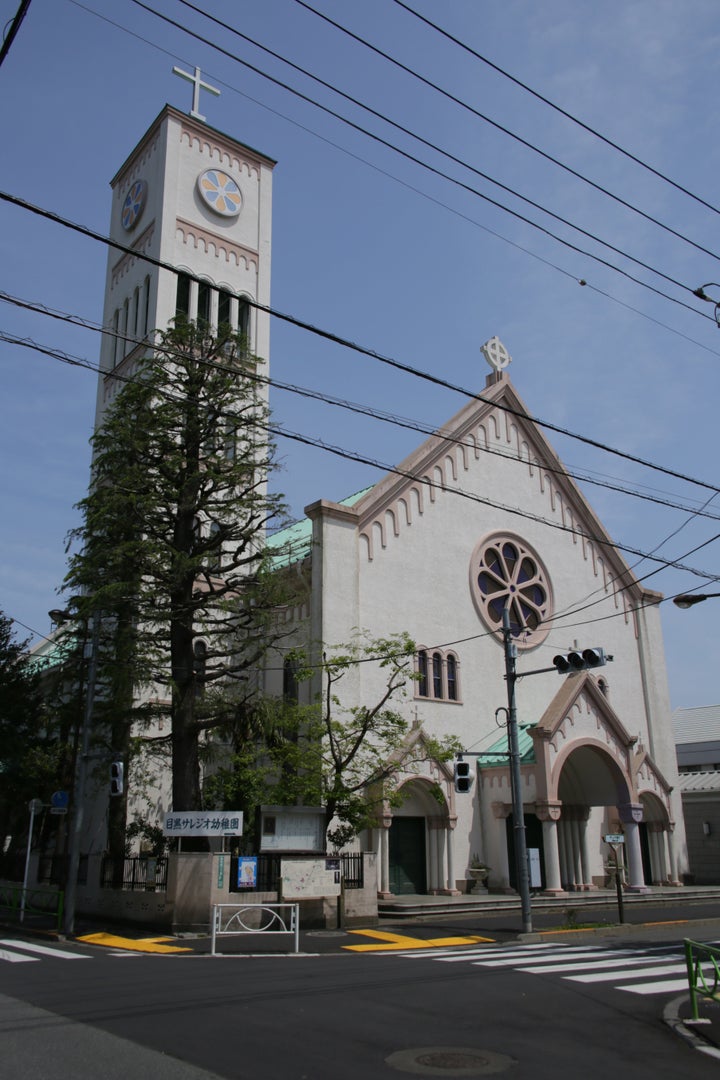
594	795
419	849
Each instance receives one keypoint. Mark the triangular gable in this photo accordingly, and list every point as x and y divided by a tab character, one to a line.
648	777
439	462
581	692
415	743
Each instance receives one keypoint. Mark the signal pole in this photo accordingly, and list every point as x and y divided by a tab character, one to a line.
521	860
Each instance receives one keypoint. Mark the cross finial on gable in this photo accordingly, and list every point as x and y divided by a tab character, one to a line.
198	85
496	354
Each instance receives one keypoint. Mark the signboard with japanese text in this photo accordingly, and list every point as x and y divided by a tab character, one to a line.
614	838
203	823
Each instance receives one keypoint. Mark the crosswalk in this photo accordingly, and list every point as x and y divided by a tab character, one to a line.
651	970
13	951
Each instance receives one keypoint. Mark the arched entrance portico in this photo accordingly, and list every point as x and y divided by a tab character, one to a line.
414	842
589	772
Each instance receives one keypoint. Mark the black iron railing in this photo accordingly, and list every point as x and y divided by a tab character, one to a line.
141	873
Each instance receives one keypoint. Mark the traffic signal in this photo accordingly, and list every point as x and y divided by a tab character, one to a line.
463	776
580	661
117	770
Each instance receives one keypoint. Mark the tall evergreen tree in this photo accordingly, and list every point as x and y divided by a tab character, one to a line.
170	556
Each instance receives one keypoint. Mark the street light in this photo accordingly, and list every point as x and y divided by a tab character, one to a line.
687	600
59	617
702	295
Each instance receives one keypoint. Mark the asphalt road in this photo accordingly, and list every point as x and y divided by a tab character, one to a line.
342	1014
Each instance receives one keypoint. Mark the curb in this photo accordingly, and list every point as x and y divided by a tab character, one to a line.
671	1017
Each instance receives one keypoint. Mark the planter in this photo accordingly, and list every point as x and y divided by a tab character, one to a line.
479	875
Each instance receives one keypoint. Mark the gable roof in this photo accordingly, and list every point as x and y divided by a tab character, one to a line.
434	466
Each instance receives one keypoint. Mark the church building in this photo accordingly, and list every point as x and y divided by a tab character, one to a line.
483	517
480	519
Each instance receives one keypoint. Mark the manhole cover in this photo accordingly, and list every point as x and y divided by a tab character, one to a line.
449	1061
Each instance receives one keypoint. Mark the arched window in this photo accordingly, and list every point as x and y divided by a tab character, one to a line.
146	312
182	297
116	352
451	671
437	675
224	308
204	300
136	315
291	686
125	349
422	662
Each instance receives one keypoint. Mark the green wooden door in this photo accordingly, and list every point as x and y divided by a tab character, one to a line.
407	855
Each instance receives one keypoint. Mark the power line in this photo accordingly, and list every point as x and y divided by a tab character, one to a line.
557	108
438	172
404	183
354	407
425	481
500	127
328	335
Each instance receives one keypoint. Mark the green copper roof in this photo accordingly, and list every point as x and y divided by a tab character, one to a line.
497	754
292	544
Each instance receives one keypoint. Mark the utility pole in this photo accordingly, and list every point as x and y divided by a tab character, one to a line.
78	807
521	860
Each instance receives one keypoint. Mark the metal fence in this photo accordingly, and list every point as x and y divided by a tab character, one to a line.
703	973
141	873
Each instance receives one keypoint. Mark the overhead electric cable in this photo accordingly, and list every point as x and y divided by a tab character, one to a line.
438	172
500	127
328	335
558	108
393	419
404	183
348	455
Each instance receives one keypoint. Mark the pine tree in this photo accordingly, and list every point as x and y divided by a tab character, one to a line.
171	556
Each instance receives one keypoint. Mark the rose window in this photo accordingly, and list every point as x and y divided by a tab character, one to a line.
506	573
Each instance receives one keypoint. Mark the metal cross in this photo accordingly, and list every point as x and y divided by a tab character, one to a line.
198	85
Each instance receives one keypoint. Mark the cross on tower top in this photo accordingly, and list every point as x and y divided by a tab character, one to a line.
198	85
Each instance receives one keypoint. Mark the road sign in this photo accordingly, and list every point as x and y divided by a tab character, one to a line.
614	838
60	799
35	806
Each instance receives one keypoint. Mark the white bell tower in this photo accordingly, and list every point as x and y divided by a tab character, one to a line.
197	200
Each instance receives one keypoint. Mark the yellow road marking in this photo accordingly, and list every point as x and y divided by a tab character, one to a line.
401	941
151	945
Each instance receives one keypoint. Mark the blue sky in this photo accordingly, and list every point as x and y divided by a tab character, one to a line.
376	249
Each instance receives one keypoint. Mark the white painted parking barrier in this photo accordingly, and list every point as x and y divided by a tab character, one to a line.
233	919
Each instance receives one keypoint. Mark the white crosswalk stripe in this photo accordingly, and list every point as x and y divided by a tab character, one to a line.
33	947
637	971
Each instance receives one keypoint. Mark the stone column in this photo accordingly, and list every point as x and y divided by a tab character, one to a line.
384	858
549	814
584	855
631	815
671	854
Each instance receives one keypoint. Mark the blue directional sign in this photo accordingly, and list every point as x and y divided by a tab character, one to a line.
60	800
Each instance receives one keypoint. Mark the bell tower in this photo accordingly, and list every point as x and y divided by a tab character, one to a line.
197	200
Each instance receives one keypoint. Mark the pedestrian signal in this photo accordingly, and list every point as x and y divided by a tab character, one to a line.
463	776
116	778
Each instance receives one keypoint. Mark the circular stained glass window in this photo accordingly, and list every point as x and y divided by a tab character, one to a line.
220	192
134	205
505	572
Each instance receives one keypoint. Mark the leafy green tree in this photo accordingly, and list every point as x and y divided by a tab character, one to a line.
171	555
29	753
345	757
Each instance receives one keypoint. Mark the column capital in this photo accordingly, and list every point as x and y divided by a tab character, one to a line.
631	813
550	810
